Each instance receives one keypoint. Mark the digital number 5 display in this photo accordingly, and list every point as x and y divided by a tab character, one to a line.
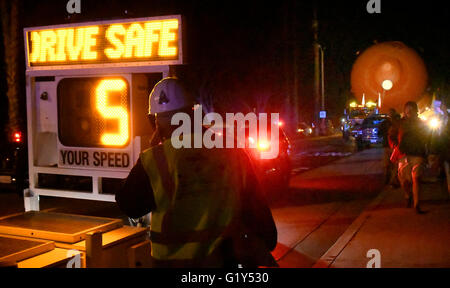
93	112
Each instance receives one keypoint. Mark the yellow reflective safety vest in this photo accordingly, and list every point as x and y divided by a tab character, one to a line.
196	193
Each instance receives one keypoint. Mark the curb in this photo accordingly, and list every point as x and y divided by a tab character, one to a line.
334	251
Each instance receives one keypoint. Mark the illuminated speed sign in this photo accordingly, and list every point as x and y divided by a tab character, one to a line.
93	112
87	101
149	41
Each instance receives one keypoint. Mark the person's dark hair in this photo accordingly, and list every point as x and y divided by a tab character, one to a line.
412	105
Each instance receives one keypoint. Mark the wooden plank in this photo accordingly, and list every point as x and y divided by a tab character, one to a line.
56	226
109	238
14	249
55	258
139	255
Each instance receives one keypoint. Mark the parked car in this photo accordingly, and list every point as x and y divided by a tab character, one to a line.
304	130
274	173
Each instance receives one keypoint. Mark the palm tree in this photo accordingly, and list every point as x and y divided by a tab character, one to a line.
9	10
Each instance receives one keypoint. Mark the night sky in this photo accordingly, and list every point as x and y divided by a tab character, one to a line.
250	53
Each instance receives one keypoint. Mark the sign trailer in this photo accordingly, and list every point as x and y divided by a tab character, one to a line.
87	97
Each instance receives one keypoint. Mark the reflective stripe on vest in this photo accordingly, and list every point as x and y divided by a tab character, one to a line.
196	191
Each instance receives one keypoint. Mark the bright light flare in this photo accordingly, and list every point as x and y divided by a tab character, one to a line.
17	137
371	104
423	117
263	145
113	112
387	85
434	123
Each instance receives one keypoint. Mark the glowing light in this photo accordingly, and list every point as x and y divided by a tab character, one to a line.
60	53
134	39
111	36
113	112
168	36
75	43
105	42
353	105
280	123
300	130
150	36
89	41
387	85
263	145
371	104
434	123
48	40
17	137
423	117
36	46
251	140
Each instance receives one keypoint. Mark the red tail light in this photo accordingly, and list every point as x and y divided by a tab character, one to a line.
17	136
263	145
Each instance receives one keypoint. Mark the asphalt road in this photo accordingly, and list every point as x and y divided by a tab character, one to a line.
309	153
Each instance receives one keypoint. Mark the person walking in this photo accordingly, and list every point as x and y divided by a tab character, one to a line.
411	152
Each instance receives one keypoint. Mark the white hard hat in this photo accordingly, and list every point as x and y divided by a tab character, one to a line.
168	95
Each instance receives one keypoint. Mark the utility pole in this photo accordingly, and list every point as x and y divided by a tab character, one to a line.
295	94
287	61
322	77
315	27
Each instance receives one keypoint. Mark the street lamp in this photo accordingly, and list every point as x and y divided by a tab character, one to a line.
386	85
